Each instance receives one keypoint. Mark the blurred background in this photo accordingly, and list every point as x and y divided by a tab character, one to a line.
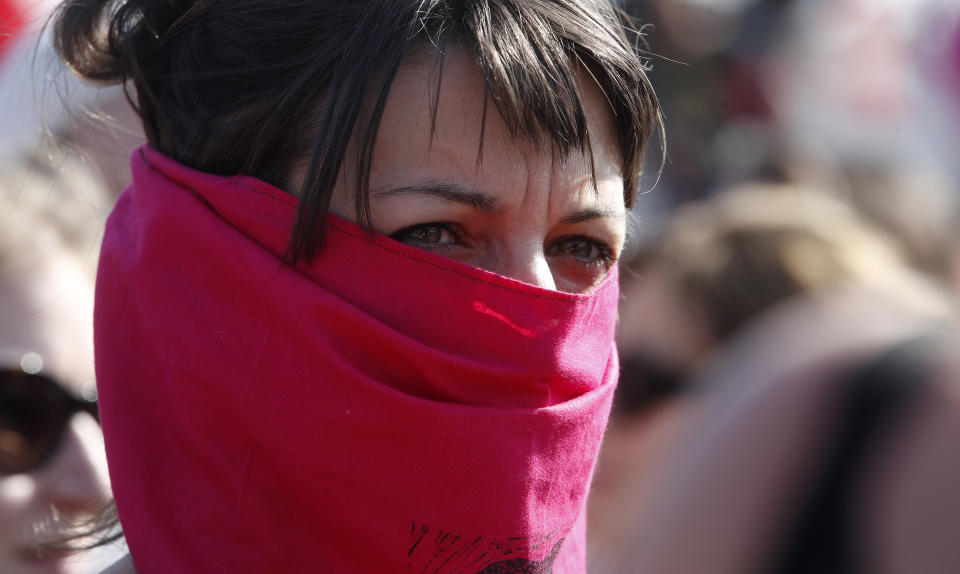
848	95
811	172
811	149
60	170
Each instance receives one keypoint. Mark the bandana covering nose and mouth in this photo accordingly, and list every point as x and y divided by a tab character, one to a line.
380	409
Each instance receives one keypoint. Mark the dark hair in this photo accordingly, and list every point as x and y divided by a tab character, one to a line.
736	256
262	86
86	534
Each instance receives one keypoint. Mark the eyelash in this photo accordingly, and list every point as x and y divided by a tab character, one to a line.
404	234
605	259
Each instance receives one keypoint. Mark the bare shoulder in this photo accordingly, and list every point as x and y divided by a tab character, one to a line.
122	566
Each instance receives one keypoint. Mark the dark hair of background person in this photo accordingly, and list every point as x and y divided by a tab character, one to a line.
738	255
732	258
261	87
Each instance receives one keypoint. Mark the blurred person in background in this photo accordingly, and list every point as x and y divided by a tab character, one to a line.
858	97
864	95
719	267
52	463
825	440
865	83
722	262
357	310
824	398
40	99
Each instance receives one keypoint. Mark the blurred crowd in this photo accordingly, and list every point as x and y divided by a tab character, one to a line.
59	173
788	399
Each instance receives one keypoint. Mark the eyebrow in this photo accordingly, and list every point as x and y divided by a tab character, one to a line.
483	202
446	191
589	213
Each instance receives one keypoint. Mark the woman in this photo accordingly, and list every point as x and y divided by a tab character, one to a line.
389	345
52	467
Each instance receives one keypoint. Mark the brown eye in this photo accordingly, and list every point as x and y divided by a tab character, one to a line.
427	236
583	249
580	248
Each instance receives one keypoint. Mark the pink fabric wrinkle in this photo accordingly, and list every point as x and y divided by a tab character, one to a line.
482	308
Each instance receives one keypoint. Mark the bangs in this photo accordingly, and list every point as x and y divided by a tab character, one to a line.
279	89
531	55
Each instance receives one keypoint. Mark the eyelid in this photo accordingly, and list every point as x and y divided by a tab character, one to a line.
452	228
608	255
603	245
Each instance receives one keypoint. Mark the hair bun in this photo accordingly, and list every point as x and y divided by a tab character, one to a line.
111	41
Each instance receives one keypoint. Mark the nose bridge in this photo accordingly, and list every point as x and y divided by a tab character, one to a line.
524	260
75	478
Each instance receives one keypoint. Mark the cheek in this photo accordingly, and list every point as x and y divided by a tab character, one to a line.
93	456
17	494
572	277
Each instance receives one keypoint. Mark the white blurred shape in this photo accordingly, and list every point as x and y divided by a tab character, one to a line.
31	363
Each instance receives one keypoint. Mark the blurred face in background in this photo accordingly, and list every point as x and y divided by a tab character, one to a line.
46	327
662	326
868	81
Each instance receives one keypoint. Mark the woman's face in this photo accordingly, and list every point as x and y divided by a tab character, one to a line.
48	311
515	210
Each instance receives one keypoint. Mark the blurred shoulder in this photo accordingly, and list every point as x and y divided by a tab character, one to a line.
122	566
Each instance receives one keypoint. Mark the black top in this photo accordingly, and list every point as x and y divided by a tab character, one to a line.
822	538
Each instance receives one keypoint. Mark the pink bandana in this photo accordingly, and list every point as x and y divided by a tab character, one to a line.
382	409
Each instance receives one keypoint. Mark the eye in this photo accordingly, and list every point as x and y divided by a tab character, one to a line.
583	249
431	236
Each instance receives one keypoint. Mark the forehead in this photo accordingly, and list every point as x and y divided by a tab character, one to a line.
48	310
441	118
